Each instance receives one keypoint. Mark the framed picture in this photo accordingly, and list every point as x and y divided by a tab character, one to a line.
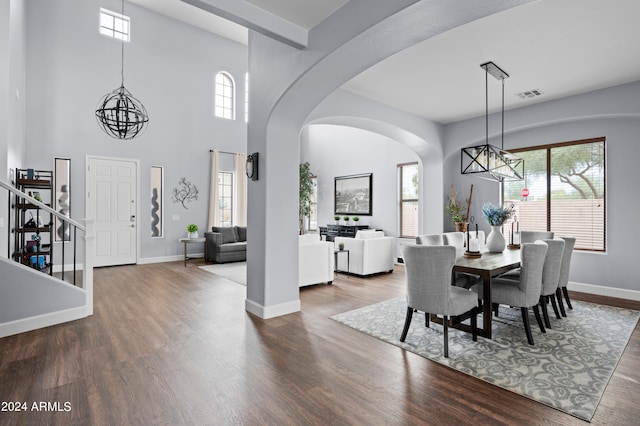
352	194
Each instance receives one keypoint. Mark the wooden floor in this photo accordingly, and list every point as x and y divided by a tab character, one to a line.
174	345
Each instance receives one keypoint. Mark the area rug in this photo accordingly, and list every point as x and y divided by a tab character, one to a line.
567	369
236	271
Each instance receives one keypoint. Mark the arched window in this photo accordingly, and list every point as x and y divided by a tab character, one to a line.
224	94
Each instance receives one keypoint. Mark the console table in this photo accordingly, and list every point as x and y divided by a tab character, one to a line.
349	231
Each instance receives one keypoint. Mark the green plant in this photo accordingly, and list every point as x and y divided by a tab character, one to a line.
336	218
456	209
495	215
307	186
192	227
341	246
355	218
345	218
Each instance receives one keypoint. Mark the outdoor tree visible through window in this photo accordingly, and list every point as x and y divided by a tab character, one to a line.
409	190
566	184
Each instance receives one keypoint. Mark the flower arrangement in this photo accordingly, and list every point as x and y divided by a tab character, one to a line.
495	215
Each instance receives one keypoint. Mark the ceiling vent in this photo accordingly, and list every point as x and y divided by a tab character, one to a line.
530	94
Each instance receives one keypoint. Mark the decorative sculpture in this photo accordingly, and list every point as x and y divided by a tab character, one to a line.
186	193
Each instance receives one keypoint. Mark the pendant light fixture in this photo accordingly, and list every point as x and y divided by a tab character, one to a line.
119	113
488	161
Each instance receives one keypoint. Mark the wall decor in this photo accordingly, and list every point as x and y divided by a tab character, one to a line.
186	192
157	204
352	194
62	172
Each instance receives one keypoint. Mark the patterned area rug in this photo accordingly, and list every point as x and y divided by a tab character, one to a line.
567	369
235	271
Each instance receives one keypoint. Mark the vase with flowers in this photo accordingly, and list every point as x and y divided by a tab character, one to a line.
496	216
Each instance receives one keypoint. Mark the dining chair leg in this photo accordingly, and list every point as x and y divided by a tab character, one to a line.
552	297
566	297
536	312
543	304
407	322
474	324
445	326
426	319
560	303
527	326
495	307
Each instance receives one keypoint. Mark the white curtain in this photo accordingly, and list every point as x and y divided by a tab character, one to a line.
241	189
214	200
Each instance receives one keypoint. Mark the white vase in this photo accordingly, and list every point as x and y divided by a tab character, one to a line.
495	240
193	234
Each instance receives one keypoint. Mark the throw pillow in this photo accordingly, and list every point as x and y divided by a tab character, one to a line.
242	233
227	233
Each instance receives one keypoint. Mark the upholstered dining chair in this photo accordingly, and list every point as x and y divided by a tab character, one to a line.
462	279
428	274
430	240
533	236
525	292
569	244
455	239
550	277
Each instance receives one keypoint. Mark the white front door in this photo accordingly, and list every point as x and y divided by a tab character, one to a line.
112	202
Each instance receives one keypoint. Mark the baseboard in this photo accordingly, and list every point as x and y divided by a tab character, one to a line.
266	312
599	290
40	321
146	260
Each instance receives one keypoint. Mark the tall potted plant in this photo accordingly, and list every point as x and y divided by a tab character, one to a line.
458	210
306	191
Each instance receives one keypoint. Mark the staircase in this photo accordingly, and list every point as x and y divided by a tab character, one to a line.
30	299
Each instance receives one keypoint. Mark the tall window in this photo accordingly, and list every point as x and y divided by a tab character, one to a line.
246	97
409	190
225	195
313	213
566	191
224	96
114	25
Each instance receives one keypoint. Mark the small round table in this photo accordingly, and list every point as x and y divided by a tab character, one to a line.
335	255
186	241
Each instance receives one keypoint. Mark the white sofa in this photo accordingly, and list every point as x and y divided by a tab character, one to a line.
370	252
315	260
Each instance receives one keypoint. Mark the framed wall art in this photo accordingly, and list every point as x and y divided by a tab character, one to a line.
352	194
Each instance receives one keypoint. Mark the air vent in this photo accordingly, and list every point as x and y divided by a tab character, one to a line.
530	94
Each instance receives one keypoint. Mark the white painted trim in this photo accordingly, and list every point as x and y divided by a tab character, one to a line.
266	312
147	260
40	321
620	293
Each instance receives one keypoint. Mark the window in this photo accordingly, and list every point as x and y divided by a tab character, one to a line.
409	190
313	212
566	184
224	96
225	197
114	25
246	97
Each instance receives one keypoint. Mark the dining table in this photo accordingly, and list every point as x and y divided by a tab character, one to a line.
487	266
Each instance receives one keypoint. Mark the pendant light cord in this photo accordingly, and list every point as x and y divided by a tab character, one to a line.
502	114
122	50
486	105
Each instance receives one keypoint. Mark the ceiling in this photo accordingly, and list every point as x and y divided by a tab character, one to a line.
559	47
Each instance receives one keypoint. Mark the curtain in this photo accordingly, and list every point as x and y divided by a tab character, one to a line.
241	189
214	200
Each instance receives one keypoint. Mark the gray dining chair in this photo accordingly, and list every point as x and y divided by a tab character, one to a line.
455	239
533	236
563	280
550	278
428	274
525	292
430	240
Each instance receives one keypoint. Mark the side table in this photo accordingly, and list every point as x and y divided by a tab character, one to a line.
186	241
335	256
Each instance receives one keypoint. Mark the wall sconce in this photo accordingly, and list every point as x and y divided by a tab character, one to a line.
252	166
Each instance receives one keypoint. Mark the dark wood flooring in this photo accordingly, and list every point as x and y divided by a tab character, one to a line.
174	345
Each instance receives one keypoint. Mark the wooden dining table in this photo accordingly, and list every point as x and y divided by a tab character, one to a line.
487	267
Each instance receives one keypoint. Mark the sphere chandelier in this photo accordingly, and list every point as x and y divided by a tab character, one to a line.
119	113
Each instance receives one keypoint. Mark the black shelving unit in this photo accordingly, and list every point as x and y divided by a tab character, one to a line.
33	237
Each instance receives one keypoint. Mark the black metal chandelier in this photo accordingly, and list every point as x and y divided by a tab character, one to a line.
488	161
119	113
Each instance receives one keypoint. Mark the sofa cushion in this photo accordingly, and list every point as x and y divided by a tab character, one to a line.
308	238
366	234
228	233
242	233
231	247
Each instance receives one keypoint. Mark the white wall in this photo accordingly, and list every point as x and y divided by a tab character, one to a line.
169	66
339	151
613	113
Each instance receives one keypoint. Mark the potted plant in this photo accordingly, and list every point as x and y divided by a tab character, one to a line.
458	211
192	229
341	246
337	219
496	216
355	219
346	219
307	186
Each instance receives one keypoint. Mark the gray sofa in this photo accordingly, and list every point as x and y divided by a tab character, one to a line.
226	244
